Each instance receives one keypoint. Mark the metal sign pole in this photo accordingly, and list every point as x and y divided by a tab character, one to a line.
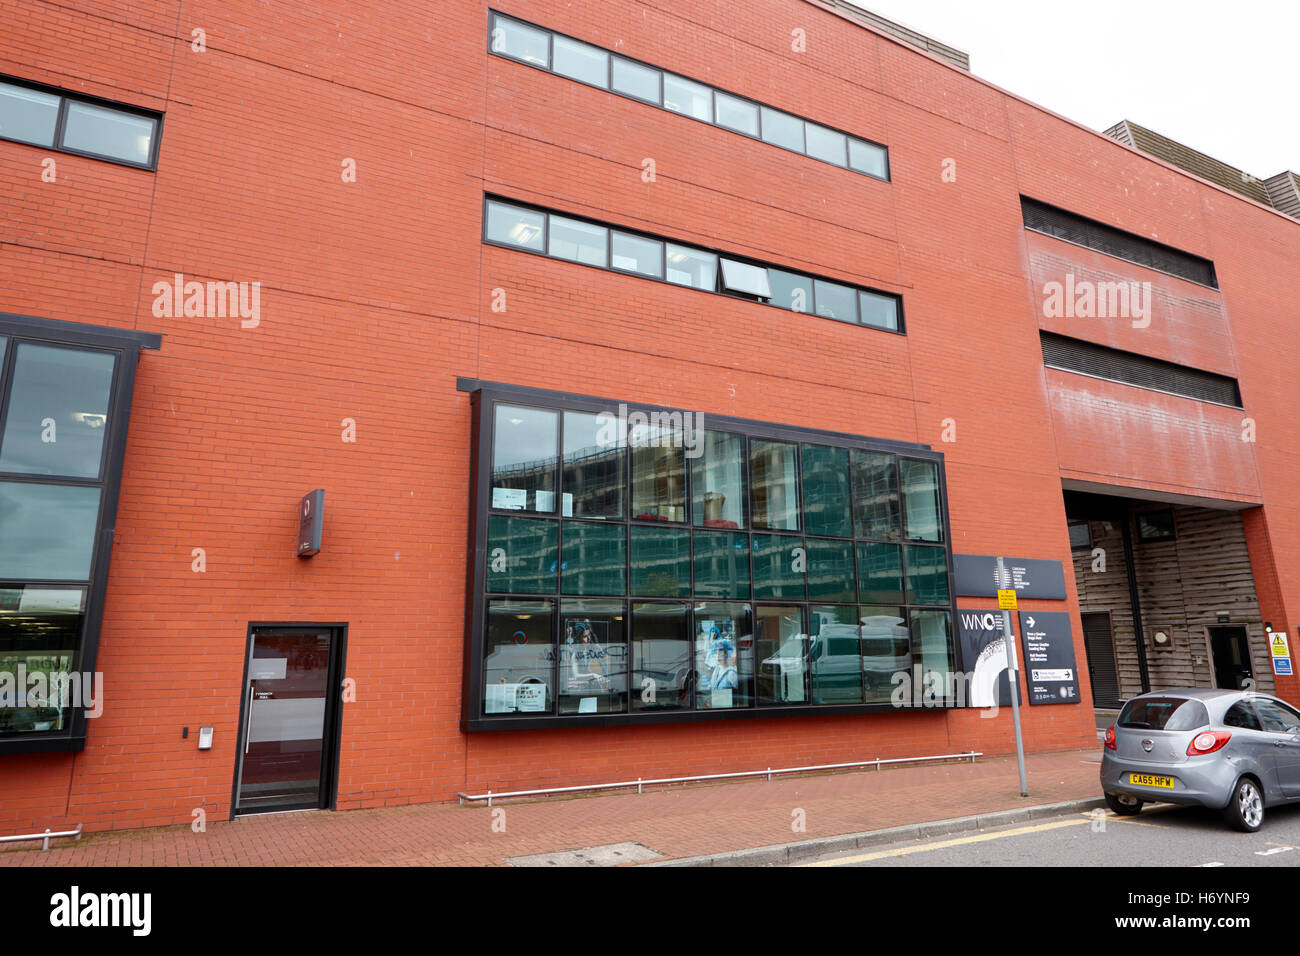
1013	679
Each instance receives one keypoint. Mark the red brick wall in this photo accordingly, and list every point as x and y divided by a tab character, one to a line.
375	297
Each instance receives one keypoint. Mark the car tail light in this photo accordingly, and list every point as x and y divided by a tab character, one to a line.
1207	742
1110	738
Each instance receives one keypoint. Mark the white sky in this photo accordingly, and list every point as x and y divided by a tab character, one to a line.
1220	77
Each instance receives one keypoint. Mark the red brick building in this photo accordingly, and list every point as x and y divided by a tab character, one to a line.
410	223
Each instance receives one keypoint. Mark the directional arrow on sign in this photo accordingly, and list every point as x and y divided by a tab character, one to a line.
1029	621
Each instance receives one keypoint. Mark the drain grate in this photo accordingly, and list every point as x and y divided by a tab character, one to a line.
611	854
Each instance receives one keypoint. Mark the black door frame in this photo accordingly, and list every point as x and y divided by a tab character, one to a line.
1245	650
1114	661
331	742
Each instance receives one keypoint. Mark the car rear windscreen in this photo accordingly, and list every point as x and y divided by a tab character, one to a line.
1163	713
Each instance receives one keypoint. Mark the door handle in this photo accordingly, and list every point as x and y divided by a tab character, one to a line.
248	719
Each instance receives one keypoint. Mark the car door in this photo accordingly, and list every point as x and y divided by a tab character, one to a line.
1282	725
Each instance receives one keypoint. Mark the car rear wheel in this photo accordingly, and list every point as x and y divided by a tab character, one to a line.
1123	804
1245	811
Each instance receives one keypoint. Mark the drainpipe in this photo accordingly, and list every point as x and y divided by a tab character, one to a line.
1135	603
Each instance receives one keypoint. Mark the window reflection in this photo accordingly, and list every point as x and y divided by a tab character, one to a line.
781	647
593	657
724	656
519	666
58	411
661	657
523	459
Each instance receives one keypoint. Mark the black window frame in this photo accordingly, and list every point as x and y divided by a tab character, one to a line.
127	344
664	242
60	123
1171	535
484	398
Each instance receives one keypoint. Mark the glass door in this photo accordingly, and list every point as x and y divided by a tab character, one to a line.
290	719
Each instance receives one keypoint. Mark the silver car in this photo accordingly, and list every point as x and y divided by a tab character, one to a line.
1230	750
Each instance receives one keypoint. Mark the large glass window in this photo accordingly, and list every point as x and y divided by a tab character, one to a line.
886	651
830	571
932	652
827	503
661	562
595	459
875	495
523	459
40	632
62	403
835	655
593	657
47	532
753	565
519	666
774	472
781	649
721	564
522	555
658	472
58	411
921	493
718	481
724	656
661	657
780	565
595	558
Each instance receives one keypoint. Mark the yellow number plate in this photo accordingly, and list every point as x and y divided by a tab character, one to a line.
1147	780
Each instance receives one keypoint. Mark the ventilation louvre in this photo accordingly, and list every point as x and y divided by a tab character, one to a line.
1113	242
1074	355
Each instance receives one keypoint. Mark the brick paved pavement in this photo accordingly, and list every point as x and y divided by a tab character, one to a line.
678	822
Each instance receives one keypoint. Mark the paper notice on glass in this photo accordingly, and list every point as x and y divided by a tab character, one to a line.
721	698
268	668
530	697
566	502
546	501
587	705
500	698
513	499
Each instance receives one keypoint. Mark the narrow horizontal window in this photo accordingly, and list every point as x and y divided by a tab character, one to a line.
736	114
692	267
1088	358
835	301
782	129
577	241
688	97
515	226
44	117
606	246
826	144
745	279
109	133
28	116
637	254
578	61
520	41
571	58
633	79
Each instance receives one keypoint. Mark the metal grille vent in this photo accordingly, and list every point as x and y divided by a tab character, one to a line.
1074	355
1113	242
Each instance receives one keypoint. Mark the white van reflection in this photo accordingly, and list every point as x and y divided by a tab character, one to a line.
842	659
